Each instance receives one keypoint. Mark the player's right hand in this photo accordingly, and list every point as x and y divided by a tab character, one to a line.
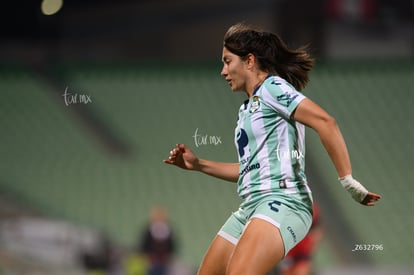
183	157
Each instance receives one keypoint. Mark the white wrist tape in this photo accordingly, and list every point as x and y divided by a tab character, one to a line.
356	189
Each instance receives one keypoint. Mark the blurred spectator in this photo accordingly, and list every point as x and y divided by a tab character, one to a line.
157	242
363	10
98	258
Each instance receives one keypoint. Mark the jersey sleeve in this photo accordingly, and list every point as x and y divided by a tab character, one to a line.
281	96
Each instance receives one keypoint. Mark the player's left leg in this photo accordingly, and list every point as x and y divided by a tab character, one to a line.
259	249
216	258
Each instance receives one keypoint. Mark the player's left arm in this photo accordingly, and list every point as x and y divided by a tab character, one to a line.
313	116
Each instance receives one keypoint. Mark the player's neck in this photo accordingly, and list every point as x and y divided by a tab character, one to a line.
256	83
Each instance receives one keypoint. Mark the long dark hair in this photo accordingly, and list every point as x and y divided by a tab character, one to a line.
271	53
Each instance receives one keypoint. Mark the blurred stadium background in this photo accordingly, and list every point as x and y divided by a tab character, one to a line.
79	174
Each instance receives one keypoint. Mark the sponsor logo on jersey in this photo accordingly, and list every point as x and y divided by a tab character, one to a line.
286	99
249	168
242	141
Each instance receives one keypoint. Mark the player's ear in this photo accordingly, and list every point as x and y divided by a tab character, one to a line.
250	60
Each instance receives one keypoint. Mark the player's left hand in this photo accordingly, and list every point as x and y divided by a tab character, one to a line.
370	199
358	191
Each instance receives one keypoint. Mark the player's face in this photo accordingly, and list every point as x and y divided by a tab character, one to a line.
233	71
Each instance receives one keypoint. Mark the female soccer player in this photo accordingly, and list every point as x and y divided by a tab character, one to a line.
276	209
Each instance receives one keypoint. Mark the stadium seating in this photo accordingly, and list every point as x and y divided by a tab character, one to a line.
56	160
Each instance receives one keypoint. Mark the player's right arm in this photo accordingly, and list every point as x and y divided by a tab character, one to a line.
183	157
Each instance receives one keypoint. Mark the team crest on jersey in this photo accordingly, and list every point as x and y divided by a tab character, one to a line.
255	104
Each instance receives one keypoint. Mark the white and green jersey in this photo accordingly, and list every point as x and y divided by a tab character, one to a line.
270	144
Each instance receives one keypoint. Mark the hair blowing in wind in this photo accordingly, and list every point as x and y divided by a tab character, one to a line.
271	52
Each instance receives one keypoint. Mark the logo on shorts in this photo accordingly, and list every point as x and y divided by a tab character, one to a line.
273	205
292	232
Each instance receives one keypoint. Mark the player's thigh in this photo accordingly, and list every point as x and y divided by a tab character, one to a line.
216	258
259	249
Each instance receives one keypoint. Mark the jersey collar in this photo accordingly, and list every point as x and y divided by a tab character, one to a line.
255	91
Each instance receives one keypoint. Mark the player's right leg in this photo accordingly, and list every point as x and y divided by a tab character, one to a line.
216	258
